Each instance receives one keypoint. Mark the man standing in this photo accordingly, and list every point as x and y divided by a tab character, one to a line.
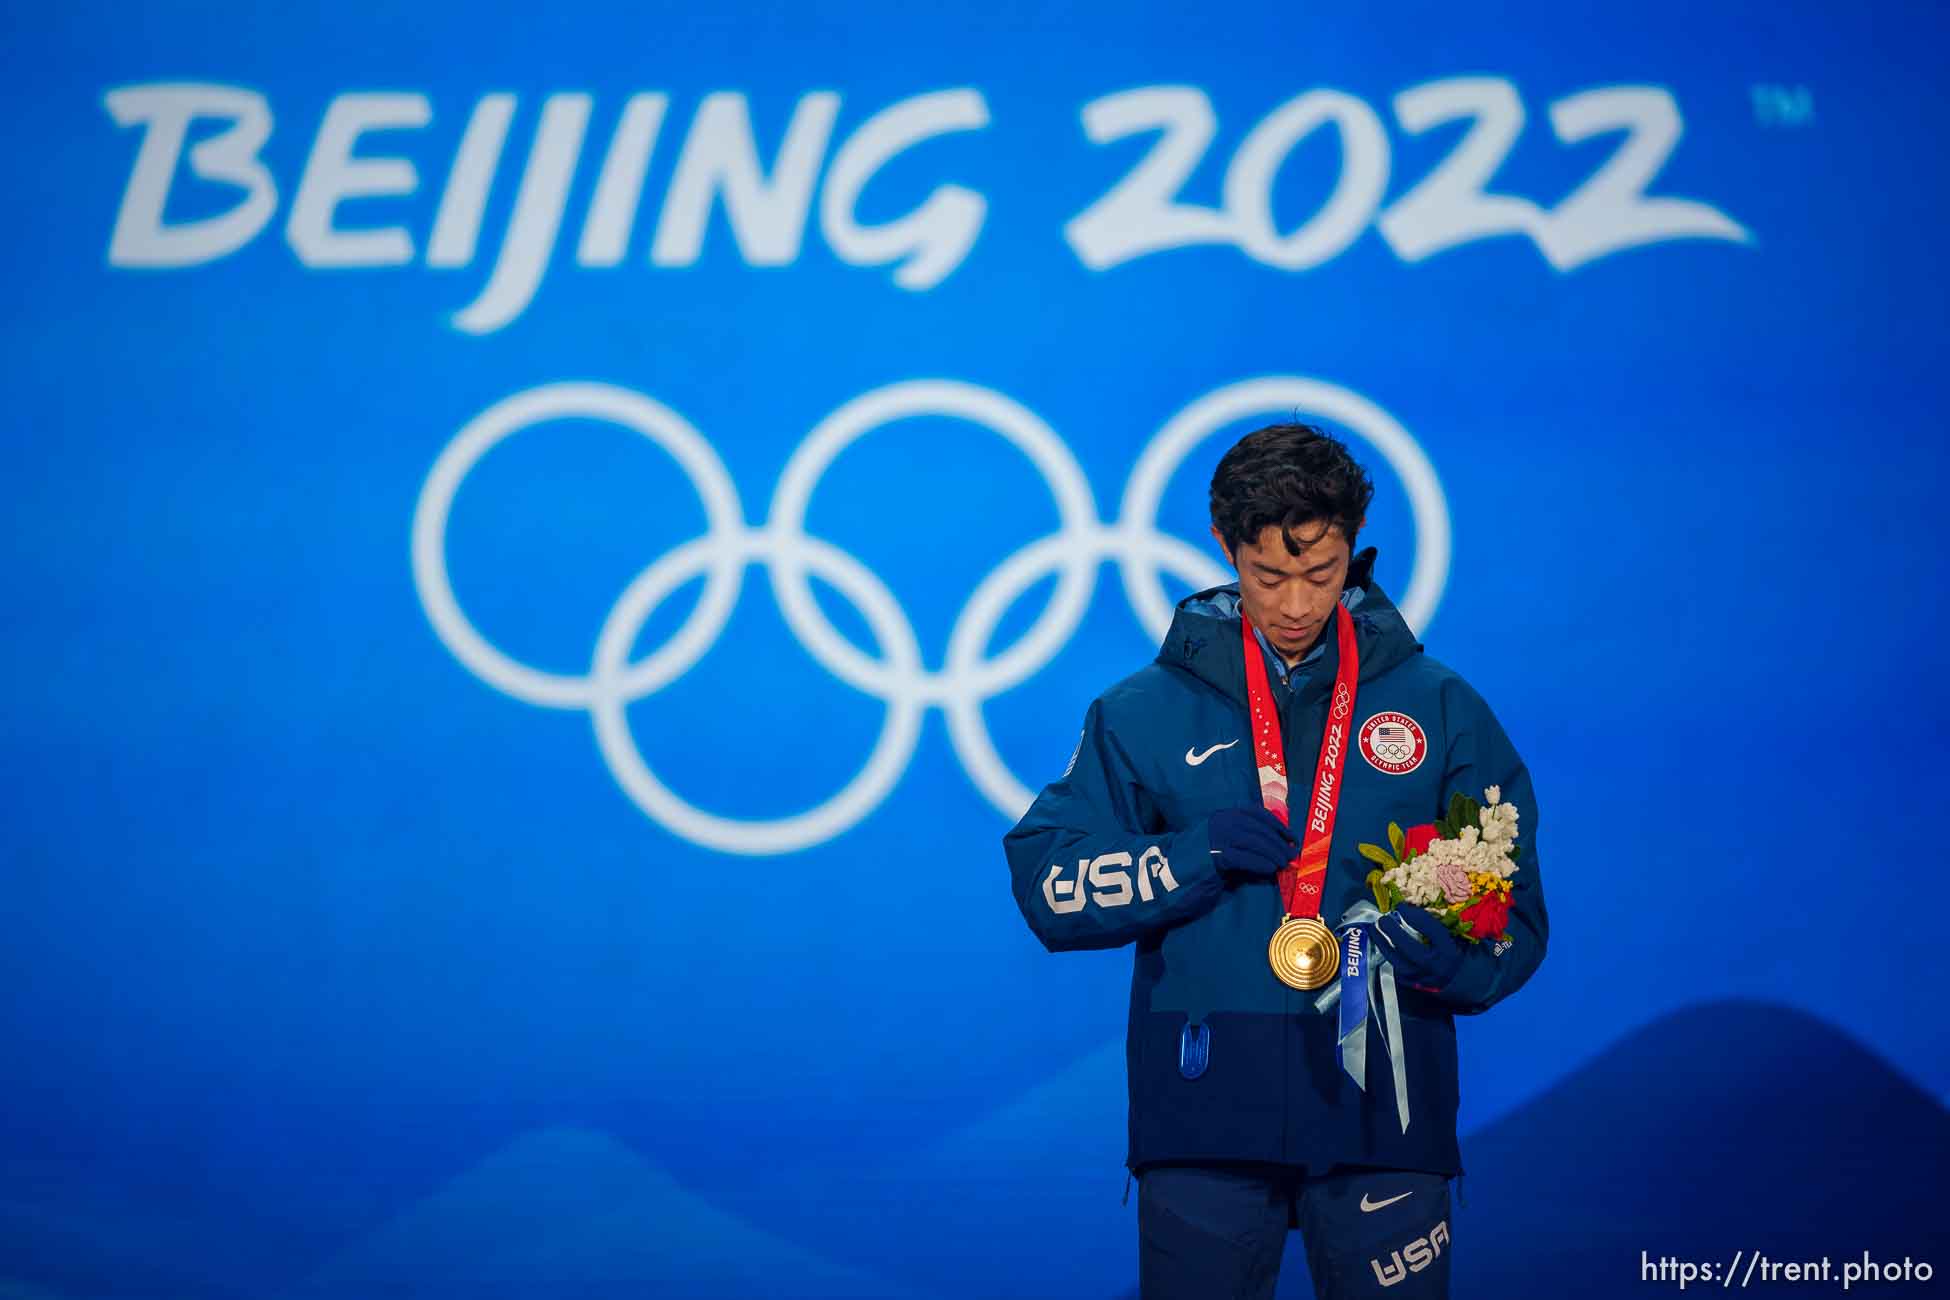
1245	1120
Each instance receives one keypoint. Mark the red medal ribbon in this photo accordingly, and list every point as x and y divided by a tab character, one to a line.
1301	879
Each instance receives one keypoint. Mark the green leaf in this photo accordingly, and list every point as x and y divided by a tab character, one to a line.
1474	812
1457	811
1396	840
1376	854
1380	889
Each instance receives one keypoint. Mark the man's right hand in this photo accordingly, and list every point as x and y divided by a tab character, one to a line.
1249	842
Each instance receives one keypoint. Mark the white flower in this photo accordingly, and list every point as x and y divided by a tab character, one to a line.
1417	881
1500	823
1493	795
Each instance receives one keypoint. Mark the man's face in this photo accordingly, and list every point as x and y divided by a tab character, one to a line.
1290	597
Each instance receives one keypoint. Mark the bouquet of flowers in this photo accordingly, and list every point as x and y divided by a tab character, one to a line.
1458	867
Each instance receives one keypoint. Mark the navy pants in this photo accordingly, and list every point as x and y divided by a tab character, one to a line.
1210	1231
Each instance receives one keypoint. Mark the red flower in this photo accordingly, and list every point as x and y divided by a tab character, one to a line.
1419	838
1487	916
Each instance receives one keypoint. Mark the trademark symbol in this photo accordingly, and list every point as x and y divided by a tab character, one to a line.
1782	106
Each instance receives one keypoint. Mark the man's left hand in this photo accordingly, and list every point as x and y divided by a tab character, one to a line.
1427	963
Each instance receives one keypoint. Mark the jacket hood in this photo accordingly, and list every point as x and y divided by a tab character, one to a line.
1205	637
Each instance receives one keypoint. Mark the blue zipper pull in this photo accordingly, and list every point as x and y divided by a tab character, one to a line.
1194	1050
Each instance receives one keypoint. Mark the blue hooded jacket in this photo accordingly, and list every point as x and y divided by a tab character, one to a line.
1117	852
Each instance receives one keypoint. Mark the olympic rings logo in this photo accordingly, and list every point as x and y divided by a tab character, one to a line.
969	676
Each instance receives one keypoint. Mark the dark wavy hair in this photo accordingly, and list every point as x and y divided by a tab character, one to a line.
1288	475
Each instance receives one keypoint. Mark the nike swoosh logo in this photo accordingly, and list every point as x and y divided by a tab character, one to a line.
1193	757
1367	1208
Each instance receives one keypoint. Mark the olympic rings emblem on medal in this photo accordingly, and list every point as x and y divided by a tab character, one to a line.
969	676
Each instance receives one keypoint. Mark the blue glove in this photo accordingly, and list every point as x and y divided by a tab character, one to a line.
1427	963
1250	842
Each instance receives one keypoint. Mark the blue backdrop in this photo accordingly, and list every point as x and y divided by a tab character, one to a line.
546	545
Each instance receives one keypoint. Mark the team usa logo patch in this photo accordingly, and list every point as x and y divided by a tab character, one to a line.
1394	743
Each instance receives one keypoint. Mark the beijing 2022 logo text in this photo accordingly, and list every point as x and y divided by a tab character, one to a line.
969	675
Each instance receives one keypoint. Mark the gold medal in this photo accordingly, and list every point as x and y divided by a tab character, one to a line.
1304	953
